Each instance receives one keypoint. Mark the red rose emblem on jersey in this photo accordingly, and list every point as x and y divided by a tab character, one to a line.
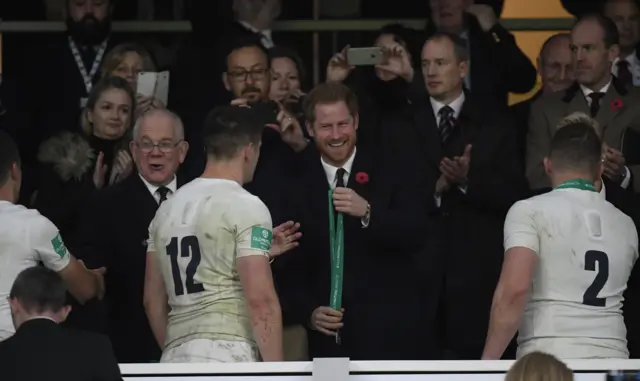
616	104
362	177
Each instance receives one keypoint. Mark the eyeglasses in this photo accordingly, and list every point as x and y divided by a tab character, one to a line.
165	146
240	76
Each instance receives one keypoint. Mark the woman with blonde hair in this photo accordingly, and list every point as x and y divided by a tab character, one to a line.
127	60
74	165
538	366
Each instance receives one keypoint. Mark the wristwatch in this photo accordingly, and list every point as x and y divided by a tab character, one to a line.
624	174
367	216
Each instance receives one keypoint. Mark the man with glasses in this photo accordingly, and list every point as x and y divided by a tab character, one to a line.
247	71
116	230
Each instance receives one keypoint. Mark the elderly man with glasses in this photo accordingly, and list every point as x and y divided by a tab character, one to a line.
116	229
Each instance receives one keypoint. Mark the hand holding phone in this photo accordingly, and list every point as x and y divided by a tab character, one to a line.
365	56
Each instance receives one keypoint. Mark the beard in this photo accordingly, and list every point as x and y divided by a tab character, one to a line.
89	31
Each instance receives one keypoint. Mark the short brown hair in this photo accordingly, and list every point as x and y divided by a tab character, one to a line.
227	129
328	93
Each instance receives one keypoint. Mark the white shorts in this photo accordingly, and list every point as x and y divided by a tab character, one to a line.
204	351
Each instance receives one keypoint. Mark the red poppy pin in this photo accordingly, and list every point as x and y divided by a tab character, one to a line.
616	104
362	177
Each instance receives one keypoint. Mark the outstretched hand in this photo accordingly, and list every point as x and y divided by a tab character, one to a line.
285	238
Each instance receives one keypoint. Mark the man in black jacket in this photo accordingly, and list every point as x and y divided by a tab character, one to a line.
466	149
497	65
40	348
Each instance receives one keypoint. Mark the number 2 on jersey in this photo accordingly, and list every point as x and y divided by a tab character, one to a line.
189	246
590	297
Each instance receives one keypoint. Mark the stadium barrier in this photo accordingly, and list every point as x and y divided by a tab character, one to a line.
345	370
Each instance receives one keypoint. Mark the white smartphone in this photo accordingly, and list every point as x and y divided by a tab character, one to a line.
152	84
147	83
162	87
364	56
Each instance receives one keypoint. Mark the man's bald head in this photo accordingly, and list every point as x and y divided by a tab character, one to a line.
554	63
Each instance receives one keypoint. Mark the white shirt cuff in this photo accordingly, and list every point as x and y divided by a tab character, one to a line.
627	179
463	189
438	200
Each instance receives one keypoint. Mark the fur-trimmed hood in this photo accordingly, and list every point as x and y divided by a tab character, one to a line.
70	155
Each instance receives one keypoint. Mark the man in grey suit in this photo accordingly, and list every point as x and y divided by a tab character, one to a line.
594	45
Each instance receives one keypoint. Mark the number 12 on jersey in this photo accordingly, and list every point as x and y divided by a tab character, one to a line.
186	247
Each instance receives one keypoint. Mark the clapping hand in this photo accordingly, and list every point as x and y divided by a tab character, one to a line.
122	167
100	171
455	170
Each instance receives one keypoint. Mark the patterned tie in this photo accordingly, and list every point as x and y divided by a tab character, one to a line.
267	43
595	103
447	121
340	177
163	192
624	73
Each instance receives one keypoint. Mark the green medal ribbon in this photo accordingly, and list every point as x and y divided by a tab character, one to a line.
577	184
336	240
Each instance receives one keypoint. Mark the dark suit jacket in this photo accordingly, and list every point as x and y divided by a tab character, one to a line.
114	236
618	112
42	350
520	113
471	222
386	314
497	65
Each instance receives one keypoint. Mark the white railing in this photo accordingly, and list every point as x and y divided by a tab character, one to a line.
345	370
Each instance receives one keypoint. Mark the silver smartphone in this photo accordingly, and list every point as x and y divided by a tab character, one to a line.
364	56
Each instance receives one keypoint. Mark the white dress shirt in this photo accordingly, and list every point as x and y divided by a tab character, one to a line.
456	105
330	171
634	67
586	91
153	189
266	37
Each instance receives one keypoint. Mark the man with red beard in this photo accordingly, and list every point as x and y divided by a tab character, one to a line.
364	228
594	46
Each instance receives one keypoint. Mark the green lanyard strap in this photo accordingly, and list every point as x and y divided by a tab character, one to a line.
577	184
336	240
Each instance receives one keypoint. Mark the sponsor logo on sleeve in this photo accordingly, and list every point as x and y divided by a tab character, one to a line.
261	238
58	246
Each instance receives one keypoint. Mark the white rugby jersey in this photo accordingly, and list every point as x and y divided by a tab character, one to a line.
586	250
197	236
26	239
